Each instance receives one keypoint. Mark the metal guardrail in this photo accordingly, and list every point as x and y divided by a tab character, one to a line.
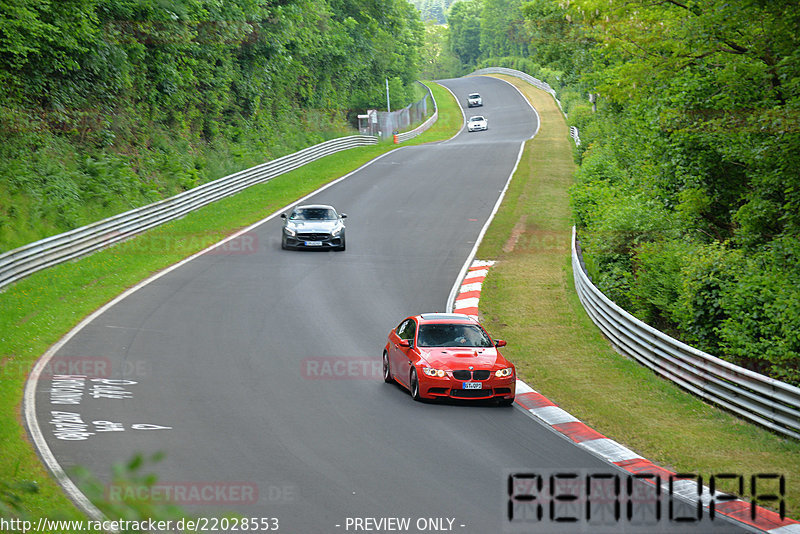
574	134
763	400
544	86
405	136
28	259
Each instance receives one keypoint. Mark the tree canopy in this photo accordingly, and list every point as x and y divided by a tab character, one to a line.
179	54
706	168
110	104
687	197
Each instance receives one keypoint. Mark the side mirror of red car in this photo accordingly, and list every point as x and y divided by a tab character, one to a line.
500	343
404	343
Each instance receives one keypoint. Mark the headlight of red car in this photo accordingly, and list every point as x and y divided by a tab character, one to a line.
434	372
502	373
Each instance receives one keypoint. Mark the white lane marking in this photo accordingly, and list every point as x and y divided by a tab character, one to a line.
523	388
786	529
29	396
476	286
477	273
474	251
609	449
553	415
471	302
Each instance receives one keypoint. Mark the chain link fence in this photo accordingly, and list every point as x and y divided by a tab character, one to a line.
385	124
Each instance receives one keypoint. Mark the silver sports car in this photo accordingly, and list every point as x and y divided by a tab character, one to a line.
313	226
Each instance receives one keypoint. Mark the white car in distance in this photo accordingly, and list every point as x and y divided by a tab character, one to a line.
477	123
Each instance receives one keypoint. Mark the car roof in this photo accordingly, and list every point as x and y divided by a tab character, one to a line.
314	206
477	118
472	95
427	318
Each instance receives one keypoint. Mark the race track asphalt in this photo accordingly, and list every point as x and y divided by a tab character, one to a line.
264	364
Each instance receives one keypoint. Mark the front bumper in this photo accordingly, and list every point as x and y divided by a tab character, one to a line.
317	240
448	387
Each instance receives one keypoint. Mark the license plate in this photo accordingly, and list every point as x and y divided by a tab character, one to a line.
313	243
472	385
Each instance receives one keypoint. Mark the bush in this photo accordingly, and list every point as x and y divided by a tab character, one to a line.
761	324
658	280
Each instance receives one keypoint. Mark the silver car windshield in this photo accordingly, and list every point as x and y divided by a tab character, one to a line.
452	335
313	214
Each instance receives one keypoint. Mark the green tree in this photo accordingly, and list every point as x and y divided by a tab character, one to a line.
502	29
553	40
438	61
699	107
96	94
464	22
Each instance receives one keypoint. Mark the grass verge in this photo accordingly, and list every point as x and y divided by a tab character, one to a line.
529	299
37	311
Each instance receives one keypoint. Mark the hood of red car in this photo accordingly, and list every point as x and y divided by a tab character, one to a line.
462	358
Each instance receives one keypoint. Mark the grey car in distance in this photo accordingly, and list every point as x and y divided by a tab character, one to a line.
313	226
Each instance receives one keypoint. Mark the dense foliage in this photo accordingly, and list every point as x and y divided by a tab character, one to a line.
464	25
109	104
481	29
437	60
688	194
433	10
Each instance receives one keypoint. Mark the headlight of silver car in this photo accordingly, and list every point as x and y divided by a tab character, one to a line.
289	230
336	231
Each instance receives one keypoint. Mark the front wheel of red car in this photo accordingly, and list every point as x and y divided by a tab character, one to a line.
414	382
387	372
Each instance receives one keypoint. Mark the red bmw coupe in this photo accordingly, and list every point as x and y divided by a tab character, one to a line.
448	355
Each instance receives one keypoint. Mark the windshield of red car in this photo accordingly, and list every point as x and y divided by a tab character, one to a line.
452	335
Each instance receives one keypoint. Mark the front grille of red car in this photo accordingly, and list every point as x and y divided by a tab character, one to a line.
471	393
472	375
